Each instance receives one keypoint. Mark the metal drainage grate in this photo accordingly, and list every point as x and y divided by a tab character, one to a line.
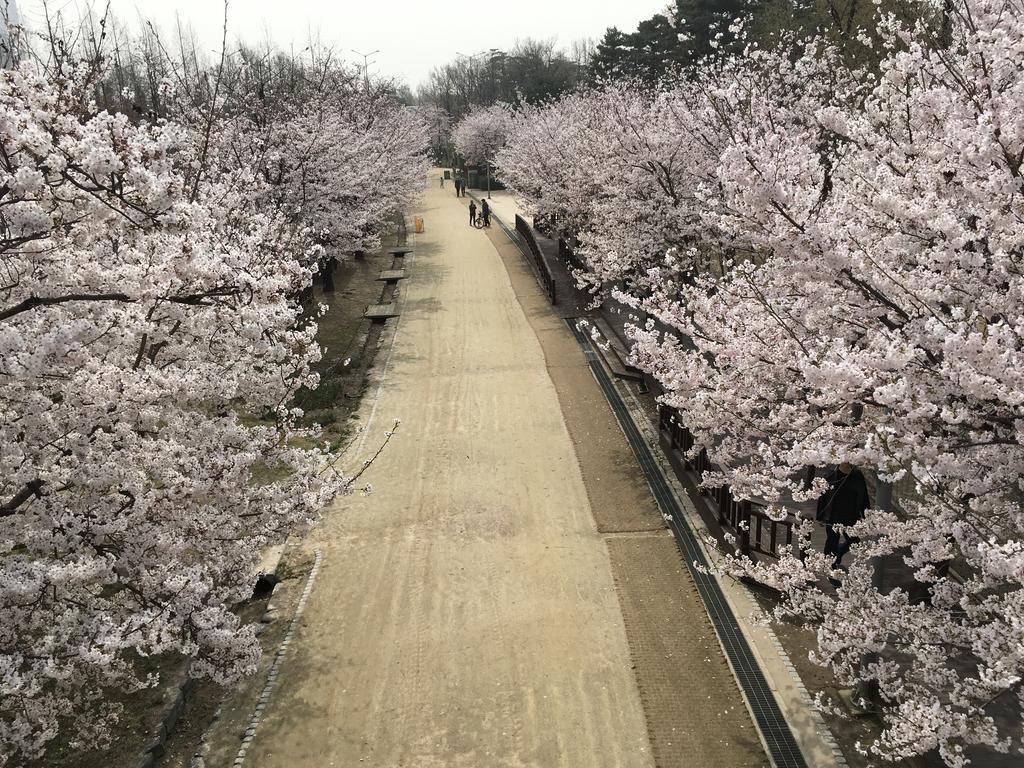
782	747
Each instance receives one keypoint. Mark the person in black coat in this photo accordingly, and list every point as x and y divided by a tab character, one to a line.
842	504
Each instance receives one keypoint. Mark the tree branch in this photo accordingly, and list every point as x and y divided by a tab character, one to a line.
192	299
32	488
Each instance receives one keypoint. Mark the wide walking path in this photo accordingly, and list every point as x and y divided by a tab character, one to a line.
465	613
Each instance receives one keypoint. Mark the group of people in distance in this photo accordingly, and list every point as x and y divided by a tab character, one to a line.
485	208
460	185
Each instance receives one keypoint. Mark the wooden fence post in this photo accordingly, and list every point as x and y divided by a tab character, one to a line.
723	497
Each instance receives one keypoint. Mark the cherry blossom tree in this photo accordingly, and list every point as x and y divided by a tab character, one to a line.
338	160
439	129
344	167
151	344
562	157
894	228
481	134
865	307
619	169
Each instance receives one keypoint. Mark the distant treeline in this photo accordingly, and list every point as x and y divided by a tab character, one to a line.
662	48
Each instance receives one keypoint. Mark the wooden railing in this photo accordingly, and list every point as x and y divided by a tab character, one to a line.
681	439
543	272
749	522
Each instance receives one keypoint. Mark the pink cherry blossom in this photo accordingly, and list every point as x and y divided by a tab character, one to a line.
830	261
151	342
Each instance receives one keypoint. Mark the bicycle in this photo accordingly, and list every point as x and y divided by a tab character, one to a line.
478	222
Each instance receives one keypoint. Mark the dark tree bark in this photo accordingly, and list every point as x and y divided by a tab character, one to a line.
329	275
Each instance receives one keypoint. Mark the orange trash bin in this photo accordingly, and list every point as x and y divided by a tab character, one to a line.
419	225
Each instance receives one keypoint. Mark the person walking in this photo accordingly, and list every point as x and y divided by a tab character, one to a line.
472	212
843	504
442	179
485	211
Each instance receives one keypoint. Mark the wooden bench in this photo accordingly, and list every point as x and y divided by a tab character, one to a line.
392	276
378	313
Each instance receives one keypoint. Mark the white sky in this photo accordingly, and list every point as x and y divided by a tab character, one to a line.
412	35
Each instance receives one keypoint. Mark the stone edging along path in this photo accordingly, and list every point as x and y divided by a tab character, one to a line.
275	666
168	719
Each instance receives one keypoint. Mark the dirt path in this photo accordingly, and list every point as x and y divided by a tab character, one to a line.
465	614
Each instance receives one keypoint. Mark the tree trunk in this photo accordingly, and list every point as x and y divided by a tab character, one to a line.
329	275
866	694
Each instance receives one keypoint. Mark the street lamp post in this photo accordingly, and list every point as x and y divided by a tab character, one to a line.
366	66
488	161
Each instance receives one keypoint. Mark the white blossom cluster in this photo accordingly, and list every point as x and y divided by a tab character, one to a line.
481	134
834	259
151	341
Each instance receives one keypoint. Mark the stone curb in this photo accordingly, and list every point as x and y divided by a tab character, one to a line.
169	719
272	674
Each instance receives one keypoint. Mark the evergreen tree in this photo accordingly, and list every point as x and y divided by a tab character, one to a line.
704	25
614	55
667	45
657	49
